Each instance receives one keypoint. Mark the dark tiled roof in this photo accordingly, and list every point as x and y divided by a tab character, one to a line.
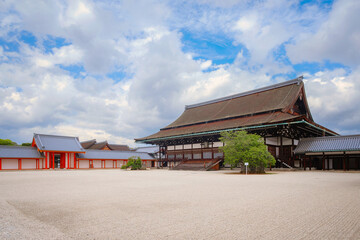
99	145
57	143
119	147
269	105
19	152
328	144
273	98
268	118
87	144
100	154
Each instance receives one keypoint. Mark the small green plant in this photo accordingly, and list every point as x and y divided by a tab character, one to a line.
134	163
124	166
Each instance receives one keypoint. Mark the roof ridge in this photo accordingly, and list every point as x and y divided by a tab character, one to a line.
88	141
297	80
40	134
327	137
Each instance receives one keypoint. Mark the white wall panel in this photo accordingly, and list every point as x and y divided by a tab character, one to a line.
109	163
83	163
28	164
9	164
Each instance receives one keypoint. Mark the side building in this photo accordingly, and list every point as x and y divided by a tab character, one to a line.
327	153
64	152
279	113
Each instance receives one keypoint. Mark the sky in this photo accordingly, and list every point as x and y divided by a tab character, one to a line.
119	70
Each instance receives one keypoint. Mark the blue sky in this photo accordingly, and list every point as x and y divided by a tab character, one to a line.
119	70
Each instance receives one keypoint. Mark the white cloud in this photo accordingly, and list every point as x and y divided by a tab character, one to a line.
337	39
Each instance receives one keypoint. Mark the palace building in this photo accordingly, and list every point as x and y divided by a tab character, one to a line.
279	113
63	152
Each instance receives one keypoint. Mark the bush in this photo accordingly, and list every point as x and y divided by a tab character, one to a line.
124	166
241	147
134	163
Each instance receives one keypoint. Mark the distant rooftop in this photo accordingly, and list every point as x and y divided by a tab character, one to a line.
57	143
7	151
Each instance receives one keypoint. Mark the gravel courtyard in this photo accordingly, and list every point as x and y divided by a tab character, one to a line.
162	204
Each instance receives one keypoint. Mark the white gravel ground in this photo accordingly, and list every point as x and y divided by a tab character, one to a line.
162	204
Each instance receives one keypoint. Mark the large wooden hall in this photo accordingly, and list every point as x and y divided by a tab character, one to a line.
279	113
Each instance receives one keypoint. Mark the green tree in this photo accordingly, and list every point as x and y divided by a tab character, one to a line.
7	142
241	147
26	144
134	163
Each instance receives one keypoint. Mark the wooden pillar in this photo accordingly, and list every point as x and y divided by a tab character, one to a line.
344	162
53	160
281	150
328	163
212	150
192	151
19	163
159	162
304	163
0	164
323	162
183	154
46	159
202	155
74	161
292	153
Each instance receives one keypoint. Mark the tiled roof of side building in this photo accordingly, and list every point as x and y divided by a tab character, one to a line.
87	144
150	149
57	143
19	152
119	147
328	144
99	145
99	154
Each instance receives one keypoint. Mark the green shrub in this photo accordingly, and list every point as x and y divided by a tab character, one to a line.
134	163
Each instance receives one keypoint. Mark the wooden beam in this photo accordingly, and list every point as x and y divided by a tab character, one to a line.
328	163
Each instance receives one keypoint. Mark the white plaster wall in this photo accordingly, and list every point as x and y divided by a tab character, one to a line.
272	141
109	163
196	145
71	160
287	141
83	163
178	147
170	147
218	144
9	164
330	164
28	164
187	146
97	163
